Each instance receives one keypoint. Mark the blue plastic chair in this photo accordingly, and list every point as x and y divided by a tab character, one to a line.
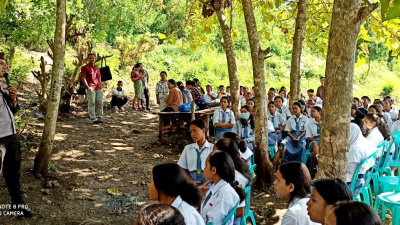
307	156
231	213
247	211
252	170
365	191
395	162
383	167
391	201
271	151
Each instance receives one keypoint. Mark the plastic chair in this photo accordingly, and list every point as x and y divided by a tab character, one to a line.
231	213
365	190
396	154
271	151
247	211
252	170
383	160
308	156
391	201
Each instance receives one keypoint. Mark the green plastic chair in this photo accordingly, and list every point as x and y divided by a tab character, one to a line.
375	175
308	156
247	211
391	201
231	213
396	154
252	170
271	151
383	160
388	183
365	191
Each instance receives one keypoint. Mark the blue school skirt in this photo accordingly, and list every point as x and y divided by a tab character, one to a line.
197	177
313	142
295	150
220	131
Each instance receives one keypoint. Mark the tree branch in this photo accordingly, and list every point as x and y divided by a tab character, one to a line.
364	12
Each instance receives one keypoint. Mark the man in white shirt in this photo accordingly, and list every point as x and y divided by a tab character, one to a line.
211	95
119	99
311	95
221	92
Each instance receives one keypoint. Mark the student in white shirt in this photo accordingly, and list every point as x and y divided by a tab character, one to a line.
159	214
293	183
193	158
225	193
223	119
313	132
271	95
278	122
386	115
221	92
324	196
310	105
242	173
284	111
245	152
295	142
168	185
311	96
352	213
252	103
211	95
282	94
244	127
396	125
119	98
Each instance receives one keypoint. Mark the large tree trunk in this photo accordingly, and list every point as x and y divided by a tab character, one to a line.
295	76
230	57
345	25
46	145
264	168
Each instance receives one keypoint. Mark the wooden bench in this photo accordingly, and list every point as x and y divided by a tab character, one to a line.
183	116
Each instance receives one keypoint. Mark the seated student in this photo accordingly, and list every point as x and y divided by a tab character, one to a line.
303	107
396	125
360	148
271	95
244	127
293	183
310	105
186	95
193	158
249	95
325	195
210	96
312	96
357	117
252	103
313	132
119	99
385	115
284	111
360	105
174	100
282	94
223	119
196	94
242	173
393	112
376	129
295	142
245	152
225	192
278	122
160	214
352	213
168	185
221	92
228	90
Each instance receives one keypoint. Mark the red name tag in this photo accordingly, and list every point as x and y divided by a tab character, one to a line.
211	204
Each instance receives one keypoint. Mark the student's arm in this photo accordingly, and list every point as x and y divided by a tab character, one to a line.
240	212
224	125
196	99
211	96
189	179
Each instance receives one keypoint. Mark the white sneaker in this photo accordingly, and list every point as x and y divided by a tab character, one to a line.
115	108
121	109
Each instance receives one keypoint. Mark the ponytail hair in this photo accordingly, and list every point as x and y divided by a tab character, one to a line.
225	168
380	123
170	179
229	146
235	137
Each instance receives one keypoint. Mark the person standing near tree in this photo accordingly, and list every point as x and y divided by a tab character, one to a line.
162	90
10	150
321	89
145	81
137	78
91	78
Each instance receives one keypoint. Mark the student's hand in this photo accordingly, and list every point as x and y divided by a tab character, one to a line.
158	101
13	92
278	131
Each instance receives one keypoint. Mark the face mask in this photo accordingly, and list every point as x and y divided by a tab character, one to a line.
245	116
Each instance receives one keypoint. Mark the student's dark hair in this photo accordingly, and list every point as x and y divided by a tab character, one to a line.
382	126
377	108
296	173
278	97
228	86
271	102
226	170
321	77
310	90
178	84
272	89
355	213
227	99
172	81
357	99
240	143
319	109
163	72
137	65
282	90
366	97
120	81
333	190
170	179
298	104
208	85
229	146
193	83
379	102
200	124
252	99
302	102
244	122
189	82
220	86
160	214
196	80
91	54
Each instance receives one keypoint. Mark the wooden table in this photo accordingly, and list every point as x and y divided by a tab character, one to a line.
183	116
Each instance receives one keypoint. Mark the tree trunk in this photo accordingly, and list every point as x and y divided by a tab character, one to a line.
264	168
345	25
230	57
295	76
46	146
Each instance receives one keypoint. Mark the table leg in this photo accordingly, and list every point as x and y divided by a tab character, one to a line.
160	128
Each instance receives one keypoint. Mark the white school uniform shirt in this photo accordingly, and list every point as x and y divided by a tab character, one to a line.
311	128
375	137
395	126
188	159
388	119
208	98
394	113
284	111
188	212
229	116
297	213
223	199
318	101
238	129
285	102
115	91
277	119
291	123
243	181
271	127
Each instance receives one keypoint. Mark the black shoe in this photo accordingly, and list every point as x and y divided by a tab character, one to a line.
23	211
95	122
148	109
100	121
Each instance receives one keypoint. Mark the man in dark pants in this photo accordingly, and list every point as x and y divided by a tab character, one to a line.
10	149
145	80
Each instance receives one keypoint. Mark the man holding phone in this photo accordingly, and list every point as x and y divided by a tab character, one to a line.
10	151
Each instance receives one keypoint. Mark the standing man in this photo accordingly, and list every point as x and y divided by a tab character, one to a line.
321	89
91	78
145	81
10	150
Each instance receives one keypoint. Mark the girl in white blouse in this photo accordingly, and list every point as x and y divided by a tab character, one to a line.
168	185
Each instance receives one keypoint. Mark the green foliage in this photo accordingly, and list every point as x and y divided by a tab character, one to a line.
387	90
390	9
